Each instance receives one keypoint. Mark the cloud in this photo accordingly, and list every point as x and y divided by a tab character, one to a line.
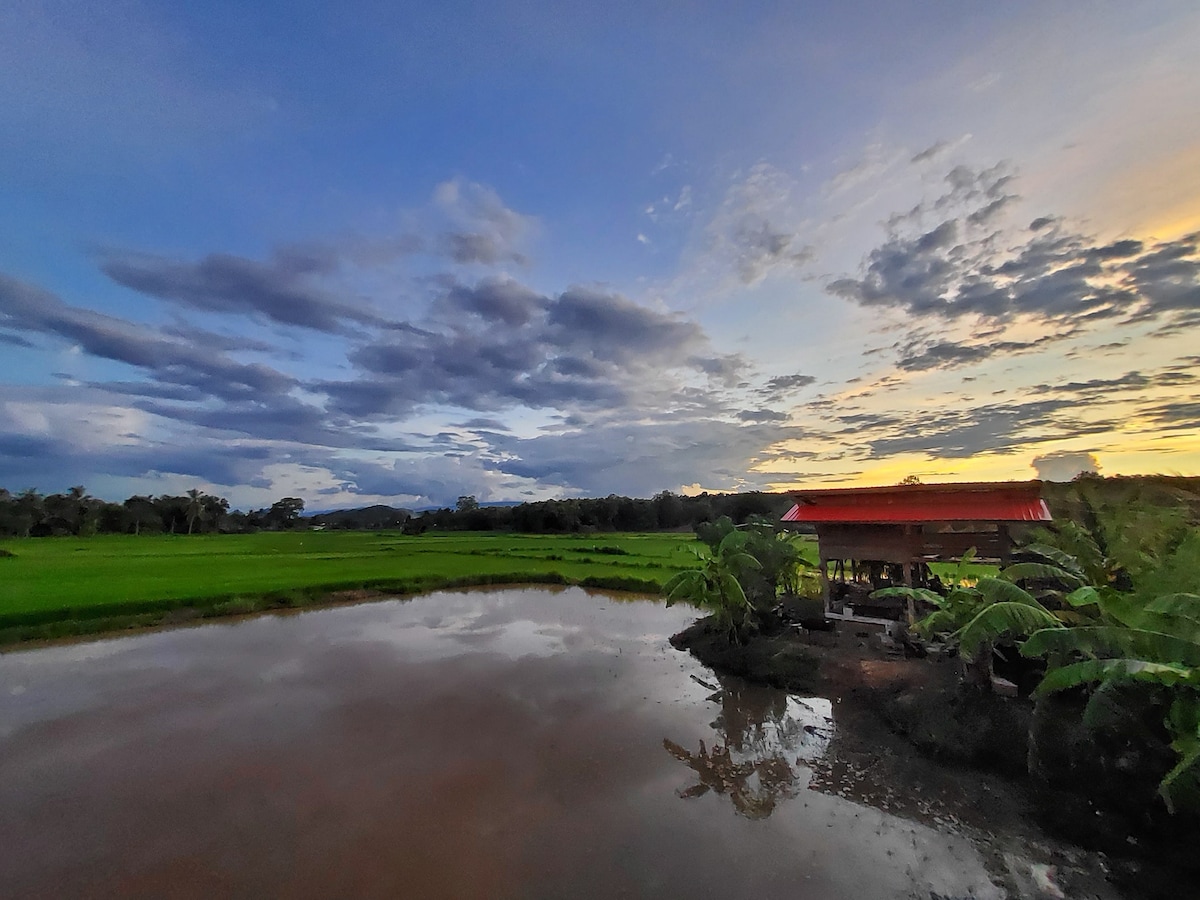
931	152
280	290
582	348
482	228
781	386
962	433
949	354
762	415
480	424
876	160
14	340
501	300
957	268
783	383
1063	465
937	150
1176	415
755	229
642	459
24	307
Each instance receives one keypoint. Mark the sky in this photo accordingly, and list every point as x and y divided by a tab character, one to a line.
401	252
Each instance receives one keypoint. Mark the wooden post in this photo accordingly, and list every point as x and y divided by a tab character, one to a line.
824	567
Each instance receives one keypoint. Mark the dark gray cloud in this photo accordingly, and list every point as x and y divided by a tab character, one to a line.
1097	387
499	344
762	415
949	354
961	433
24	307
644	459
496	299
786	383
280	290
1173	416
483	230
52	463
729	368
954	269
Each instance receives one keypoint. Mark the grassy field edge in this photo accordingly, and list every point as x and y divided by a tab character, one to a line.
18	628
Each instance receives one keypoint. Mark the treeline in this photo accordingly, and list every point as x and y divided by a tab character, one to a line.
665	511
31	514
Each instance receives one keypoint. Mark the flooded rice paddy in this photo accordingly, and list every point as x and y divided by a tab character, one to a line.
486	744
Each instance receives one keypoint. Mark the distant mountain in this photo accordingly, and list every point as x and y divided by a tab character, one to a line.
365	519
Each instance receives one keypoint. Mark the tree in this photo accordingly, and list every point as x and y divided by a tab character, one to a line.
466	503
141	508
284	513
714	586
29	511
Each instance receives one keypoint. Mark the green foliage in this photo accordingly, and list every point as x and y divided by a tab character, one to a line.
903	592
1043	572
715	588
1056	557
1002	620
963	570
1115	641
1156	643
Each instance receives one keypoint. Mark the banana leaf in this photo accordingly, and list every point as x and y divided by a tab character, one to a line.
1033	571
1183	606
1004	619
1084	596
996	590
1115	642
943	621
1089	671
907	593
1059	558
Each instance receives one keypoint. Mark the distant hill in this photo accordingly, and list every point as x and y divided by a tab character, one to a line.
368	518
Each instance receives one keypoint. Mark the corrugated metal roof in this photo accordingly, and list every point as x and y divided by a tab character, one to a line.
975	502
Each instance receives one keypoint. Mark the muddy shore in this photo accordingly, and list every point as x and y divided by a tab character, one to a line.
905	707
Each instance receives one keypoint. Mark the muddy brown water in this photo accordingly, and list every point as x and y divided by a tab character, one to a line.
521	743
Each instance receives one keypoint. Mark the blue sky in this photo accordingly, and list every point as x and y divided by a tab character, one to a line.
374	251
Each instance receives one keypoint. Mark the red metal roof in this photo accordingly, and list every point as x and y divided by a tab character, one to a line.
976	502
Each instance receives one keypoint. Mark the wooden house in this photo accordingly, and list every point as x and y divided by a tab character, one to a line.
875	537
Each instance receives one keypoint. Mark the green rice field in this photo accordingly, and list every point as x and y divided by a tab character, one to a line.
112	581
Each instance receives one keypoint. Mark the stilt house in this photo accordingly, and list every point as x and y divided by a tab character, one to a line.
871	538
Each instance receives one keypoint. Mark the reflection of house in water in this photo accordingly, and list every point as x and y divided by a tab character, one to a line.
870	538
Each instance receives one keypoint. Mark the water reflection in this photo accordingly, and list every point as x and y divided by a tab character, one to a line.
763	738
495	744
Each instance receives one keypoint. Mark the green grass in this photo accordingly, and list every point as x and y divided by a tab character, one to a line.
55	586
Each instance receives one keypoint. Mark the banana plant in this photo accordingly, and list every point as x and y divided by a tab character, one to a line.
994	610
714	586
1156	643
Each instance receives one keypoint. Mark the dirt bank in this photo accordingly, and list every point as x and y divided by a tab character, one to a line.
984	744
